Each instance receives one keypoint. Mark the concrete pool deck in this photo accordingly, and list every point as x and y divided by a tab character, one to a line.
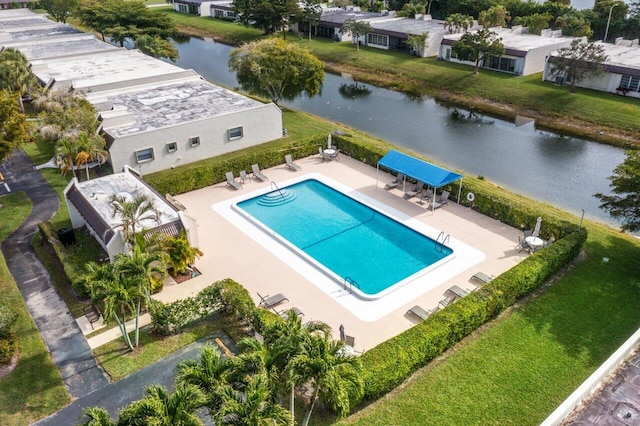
231	253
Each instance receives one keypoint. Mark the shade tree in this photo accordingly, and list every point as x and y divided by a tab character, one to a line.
457	22
15	74
577	62
60	10
495	16
474	46
277	69
357	29
624	203
13	125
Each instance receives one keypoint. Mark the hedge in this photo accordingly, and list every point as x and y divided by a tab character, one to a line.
390	363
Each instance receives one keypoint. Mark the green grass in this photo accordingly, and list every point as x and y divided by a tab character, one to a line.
519	370
34	389
119	362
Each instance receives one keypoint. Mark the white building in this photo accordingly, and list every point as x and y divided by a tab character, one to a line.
193	7
622	69
524	53
89	204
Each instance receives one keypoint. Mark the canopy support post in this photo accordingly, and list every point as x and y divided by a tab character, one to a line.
459	190
377	171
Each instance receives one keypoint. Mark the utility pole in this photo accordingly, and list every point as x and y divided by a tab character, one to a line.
606	31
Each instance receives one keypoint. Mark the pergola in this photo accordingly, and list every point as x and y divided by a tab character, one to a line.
419	170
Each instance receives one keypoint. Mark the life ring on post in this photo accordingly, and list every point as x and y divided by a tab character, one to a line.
470	197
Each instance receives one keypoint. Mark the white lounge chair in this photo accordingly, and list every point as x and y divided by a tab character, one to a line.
481	276
290	164
397	182
460	292
244	177
257	173
231	181
415	191
441	200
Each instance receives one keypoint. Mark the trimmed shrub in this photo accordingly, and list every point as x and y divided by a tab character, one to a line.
390	363
8	347
7	318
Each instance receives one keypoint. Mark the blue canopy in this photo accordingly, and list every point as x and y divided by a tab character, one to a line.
417	169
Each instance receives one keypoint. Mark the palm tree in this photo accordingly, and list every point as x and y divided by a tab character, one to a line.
90	148
143	268
181	253
251	407
160	407
96	416
209	373
132	212
15	74
66	152
334	375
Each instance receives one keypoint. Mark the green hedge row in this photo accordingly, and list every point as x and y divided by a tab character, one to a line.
390	363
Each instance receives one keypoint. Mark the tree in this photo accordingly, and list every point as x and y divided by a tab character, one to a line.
251	406
90	148
132	211
277	69
60	10
457	21
495	16
410	10
160	407
578	61
15	74
475	46
13	128
311	12
574	26
270	15
357	29
181	253
335	376
96	416
64	114
418	43
536	22
66	150
625	184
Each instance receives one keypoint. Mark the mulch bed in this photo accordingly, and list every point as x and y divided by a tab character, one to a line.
180	278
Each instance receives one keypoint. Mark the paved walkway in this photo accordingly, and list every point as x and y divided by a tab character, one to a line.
68	347
116	396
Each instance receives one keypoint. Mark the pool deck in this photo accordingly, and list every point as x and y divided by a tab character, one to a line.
231	253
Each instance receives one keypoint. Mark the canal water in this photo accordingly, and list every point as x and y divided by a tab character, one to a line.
559	170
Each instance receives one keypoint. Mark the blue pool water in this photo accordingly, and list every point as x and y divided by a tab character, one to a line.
345	236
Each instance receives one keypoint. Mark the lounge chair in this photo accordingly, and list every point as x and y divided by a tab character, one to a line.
396	182
481	276
441	200
285	312
350	340
420	312
269	302
460	292
231	181
290	164
243	176
427	194
257	173
447	301
415	191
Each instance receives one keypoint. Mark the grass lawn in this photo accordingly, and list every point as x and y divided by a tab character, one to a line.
519	370
34	389
119	362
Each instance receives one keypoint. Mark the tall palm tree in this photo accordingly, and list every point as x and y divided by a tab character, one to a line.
66	152
251	407
143	268
90	148
209	373
160	407
334	374
96	416
132	212
15	74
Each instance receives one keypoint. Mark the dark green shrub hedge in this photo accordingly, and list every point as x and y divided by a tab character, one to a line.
171	318
8	318
8	347
390	363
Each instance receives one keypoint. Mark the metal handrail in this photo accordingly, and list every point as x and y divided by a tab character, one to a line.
352	283
277	188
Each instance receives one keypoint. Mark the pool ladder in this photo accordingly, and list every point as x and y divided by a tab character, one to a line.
277	189
352	283
445	240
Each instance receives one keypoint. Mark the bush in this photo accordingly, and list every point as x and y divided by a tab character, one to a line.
7	318
390	363
8	347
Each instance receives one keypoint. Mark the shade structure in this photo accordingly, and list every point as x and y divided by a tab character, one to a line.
417	169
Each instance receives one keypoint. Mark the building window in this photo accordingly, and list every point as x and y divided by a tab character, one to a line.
500	63
630	83
218	13
235	133
183	8
144	155
378	40
172	147
194	141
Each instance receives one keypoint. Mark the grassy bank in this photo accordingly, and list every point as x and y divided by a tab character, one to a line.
519	370
586	113
34	389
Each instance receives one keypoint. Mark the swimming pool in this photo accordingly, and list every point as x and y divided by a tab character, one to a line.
345	238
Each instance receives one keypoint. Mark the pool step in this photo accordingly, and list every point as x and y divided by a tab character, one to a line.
277	198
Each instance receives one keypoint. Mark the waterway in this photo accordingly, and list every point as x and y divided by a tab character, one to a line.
559	170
